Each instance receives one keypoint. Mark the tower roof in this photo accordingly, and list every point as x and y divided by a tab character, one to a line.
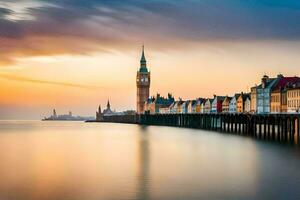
143	58
143	67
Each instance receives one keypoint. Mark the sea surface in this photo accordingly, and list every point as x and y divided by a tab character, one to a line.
99	161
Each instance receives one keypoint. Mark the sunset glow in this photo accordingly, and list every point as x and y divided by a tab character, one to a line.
75	55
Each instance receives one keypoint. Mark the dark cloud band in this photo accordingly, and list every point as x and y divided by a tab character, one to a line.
82	26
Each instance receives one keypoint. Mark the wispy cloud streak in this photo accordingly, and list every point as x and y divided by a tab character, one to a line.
37	81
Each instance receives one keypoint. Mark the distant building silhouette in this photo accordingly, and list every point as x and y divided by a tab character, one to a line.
107	112
54	114
99	116
66	117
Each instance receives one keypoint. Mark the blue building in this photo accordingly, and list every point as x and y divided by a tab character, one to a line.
264	94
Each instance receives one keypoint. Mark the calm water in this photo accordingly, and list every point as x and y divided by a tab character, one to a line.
79	161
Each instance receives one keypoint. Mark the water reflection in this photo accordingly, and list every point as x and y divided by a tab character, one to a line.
41	160
143	164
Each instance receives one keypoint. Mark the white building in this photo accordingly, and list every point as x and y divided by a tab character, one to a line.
232	104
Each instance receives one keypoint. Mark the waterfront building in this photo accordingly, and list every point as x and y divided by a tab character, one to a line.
225	104
279	93
149	106
293	98
264	94
179	106
184	107
164	110
233	103
253	98
208	105
143	84
202	106
241	103
247	105
192	106
173	107
153	104
199	105
216	106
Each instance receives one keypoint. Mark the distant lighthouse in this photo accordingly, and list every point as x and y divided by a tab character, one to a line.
143	84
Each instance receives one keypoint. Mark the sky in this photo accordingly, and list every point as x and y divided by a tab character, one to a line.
77	54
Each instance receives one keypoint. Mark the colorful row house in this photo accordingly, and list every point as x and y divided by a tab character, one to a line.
293	98
233	103
158	104
243	104
225	104
207	105
271	96
200	105
216	106
219	104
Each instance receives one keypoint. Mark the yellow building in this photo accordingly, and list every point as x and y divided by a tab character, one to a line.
179	106
225	104
241	105
278	101
199	105
293	99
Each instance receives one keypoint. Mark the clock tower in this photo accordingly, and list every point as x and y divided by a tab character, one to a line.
143	85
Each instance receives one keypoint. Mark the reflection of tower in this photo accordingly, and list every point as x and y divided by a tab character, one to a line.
143	166
143	85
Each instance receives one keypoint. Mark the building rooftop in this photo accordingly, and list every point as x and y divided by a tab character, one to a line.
268	83
245	96
284	82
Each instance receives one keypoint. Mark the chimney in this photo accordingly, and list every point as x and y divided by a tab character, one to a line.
264	80
279	76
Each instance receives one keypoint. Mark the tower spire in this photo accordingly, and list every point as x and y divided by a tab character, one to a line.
143	58
108	104
143	67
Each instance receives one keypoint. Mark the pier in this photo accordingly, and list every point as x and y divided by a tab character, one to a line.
277	127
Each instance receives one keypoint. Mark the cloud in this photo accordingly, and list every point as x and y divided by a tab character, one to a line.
84	26
36	81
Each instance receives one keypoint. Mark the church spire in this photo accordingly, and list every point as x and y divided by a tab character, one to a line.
108	105
143	67
99	109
